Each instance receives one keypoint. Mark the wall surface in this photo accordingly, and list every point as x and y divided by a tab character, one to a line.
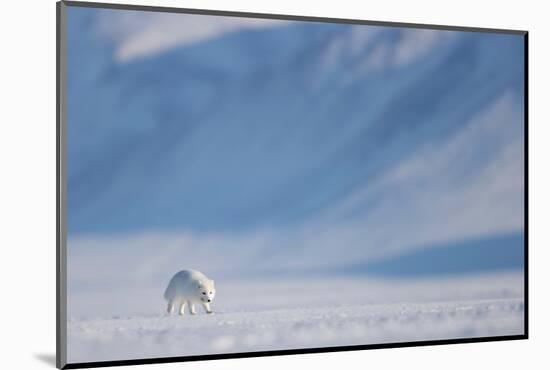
27	199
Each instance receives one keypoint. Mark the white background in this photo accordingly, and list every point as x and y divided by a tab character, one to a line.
27	196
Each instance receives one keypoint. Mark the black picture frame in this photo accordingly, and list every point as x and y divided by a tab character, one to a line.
61	189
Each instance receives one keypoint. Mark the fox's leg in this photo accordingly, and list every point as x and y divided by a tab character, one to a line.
182	307
191	307
170	307
206	307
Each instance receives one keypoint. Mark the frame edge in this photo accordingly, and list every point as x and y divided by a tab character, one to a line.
288	17
526	181
61	247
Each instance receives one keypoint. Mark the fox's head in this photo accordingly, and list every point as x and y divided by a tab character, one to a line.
206	290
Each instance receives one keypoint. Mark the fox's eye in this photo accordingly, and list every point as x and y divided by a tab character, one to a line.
210	292
204	293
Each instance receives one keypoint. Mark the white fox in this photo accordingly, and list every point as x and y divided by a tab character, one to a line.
189	287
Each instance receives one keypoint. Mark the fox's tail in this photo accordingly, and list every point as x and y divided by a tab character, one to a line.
170	291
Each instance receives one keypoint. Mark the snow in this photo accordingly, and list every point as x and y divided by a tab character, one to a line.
260	315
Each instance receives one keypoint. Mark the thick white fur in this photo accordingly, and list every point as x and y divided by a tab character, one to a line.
189	287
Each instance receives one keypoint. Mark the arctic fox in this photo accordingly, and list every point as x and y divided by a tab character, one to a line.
189	287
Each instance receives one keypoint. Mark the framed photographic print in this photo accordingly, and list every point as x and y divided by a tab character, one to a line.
235	184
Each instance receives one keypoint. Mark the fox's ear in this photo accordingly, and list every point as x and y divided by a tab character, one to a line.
212	281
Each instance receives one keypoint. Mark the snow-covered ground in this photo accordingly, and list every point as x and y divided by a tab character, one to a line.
261	315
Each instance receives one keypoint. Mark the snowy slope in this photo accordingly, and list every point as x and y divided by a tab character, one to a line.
300	146
265	128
